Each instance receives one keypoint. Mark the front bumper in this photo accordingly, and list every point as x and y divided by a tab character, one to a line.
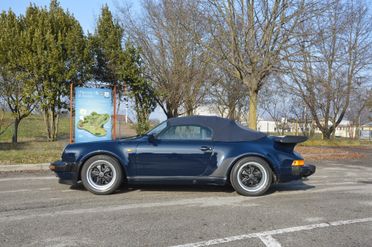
65	171
303	171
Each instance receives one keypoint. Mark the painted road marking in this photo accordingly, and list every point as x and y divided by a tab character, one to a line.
24	190
27	178
199	202
14	191
293	189
269	241
69	190
284	190
263	235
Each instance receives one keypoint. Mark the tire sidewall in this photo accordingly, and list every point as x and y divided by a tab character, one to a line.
235	180
114	163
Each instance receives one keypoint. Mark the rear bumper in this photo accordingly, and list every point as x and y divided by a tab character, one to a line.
65	171
303	171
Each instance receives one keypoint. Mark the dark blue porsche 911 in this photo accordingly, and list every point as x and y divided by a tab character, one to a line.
186	150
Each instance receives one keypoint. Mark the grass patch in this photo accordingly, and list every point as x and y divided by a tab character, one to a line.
31	152
32	146
328	153
32	128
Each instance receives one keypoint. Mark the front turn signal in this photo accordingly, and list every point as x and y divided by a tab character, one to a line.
298	163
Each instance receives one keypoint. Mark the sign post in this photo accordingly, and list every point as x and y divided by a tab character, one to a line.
114	95
71	99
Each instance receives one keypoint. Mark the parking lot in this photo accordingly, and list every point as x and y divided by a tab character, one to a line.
331	208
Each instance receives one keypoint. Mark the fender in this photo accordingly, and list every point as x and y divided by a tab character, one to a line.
123	163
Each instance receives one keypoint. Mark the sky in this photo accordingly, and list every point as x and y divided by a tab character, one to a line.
86	12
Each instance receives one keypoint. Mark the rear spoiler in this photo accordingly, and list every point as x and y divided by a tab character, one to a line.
287	143
290	139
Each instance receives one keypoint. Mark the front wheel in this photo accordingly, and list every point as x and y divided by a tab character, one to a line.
251	176
101	175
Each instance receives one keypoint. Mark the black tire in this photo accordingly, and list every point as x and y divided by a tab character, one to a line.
101	175
251	176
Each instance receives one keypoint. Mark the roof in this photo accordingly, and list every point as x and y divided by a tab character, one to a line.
367	124
223	129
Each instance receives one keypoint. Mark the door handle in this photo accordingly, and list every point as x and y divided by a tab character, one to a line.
205	149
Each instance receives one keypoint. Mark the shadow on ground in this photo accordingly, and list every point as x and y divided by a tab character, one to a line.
297	185
291	186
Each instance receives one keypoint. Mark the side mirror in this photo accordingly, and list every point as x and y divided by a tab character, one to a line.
152	138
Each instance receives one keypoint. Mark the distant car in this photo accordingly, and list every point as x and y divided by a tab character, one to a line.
186	150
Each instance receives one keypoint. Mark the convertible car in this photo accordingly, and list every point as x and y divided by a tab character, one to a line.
186	150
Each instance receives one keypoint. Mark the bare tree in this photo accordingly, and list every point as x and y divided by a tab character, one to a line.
170	36
333	50
276	103
301	116
228	95
358	112
252	37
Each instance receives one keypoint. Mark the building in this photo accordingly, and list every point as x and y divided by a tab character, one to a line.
366	131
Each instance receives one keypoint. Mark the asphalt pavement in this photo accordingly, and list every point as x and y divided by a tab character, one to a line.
332	208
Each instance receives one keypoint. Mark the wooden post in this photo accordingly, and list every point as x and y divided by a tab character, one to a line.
114	124
71	115
119	122
120	134
125	103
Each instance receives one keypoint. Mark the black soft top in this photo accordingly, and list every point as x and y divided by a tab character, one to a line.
223	129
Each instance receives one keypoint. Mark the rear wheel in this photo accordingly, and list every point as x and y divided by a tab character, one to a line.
101	175
251	176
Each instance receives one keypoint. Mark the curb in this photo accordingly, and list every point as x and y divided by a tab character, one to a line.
24	167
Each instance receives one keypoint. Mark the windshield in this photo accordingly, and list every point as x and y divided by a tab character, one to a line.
158	129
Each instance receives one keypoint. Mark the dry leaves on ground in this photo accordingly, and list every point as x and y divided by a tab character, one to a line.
328	153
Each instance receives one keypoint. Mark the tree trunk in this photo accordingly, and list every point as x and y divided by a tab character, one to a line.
333	135
326	134
55	125
46	121
51	123
189	111
172	112
232	111
252	117
168	109
15	132
189	108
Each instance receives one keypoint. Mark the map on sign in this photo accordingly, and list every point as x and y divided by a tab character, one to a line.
94	123
93	111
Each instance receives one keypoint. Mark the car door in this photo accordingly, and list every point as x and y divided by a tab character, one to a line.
182	150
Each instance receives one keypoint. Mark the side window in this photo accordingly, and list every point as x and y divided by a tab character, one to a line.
158	129
186	132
